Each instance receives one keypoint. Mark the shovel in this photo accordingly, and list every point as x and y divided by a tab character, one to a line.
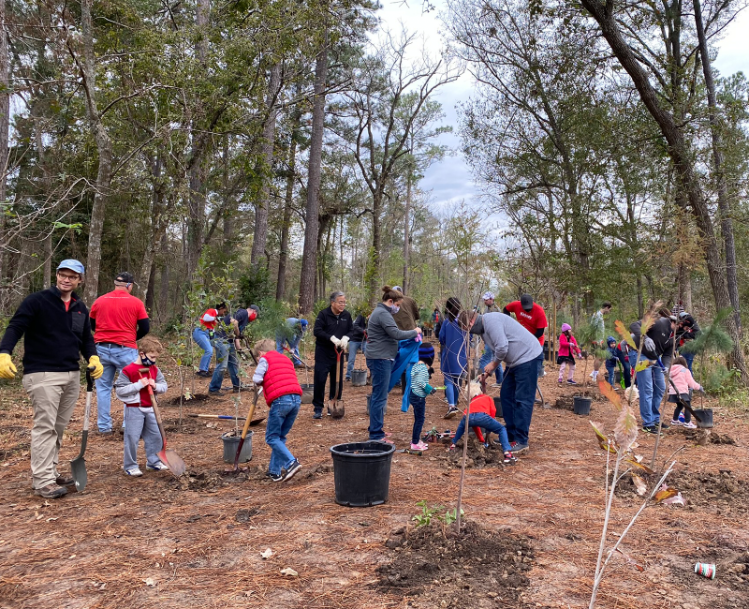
168	456
78	465
247	423
337	409
226	417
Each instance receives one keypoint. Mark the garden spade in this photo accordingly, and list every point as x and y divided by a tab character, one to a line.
247	423
167	455
337	409
78	465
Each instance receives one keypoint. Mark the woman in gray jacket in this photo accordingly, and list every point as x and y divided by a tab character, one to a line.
382	347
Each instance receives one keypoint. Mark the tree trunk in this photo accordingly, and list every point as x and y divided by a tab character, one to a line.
4	129
164	281
373	270
680	154
407	234
726	223
158	226
150	287
309	256
104	150
269	135
47	280
288	200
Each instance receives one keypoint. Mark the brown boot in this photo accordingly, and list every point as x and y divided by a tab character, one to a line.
51	491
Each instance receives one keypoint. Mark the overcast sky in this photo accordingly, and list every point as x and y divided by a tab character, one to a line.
450	180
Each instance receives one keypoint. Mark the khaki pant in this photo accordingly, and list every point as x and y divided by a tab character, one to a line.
53	397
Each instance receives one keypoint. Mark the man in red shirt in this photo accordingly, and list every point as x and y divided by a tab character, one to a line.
532	317
118	319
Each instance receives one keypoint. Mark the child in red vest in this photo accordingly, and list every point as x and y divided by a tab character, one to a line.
483	414
140	422
283	394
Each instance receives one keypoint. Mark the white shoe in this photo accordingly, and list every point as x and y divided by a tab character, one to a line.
159	467
134	472
689	425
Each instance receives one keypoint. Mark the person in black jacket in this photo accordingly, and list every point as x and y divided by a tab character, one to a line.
333	328
687	330
56	330
657	343
358	342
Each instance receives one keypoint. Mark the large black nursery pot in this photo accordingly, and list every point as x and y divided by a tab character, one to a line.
361	472
706	414
581	405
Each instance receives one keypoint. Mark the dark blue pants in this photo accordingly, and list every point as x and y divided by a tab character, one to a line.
517	395
419	405
380	370
483	420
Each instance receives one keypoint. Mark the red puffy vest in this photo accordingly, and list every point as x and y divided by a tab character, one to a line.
131	372
280	378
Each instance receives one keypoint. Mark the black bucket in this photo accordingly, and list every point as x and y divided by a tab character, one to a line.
361	471
706	414
307	392
358	377
581	405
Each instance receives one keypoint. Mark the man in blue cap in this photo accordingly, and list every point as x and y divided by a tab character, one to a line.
291	334
57	331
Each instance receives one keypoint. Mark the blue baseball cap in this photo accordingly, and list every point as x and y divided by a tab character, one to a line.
303	323
72	265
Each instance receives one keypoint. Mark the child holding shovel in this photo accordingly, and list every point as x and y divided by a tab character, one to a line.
283	394
483	414
682	381
140	421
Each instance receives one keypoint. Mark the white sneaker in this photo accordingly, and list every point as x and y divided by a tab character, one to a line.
159	467
676	423
134	472
689	425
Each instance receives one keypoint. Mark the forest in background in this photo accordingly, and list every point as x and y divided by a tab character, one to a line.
273	150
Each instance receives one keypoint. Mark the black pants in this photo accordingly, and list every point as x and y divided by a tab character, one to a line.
325	364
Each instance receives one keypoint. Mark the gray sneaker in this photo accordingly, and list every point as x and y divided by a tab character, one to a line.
519	448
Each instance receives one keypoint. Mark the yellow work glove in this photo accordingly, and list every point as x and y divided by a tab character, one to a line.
95	366
7	369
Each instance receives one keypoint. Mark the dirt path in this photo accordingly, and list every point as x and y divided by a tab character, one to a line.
197	542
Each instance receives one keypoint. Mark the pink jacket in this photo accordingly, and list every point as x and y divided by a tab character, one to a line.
568	346
683	380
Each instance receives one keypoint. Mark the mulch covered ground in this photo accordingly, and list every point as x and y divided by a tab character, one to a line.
531	537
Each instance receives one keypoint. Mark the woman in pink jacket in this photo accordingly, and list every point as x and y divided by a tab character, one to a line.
683	381
567	350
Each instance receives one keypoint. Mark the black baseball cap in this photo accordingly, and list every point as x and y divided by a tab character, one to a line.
124	277
526	301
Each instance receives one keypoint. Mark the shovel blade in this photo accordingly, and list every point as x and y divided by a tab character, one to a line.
337	410
256	421
174	461
78	471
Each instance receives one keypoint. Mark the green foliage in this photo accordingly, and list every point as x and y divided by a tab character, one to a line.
254	286
424	519
711	338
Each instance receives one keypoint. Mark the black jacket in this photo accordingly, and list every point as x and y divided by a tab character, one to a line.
661	334
360	326
689	329
54	338
327	325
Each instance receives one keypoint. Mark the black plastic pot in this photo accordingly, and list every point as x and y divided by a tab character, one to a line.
581	405
361	471
706	414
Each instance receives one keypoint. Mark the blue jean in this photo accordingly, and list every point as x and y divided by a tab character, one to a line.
141	423
380	370
610	372
292	341
517	396
483	420
690	358
486	358
281	417
419	405
114	358
652	385
353	347
202	338
226	355
452	388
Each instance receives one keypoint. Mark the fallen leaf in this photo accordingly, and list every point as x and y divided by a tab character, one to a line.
52	519
267	553
675	500
640	485
290	572
150	582
665	492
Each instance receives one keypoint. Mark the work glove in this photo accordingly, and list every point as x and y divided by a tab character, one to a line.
335	340
344	343
7	369
649	344
94	365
